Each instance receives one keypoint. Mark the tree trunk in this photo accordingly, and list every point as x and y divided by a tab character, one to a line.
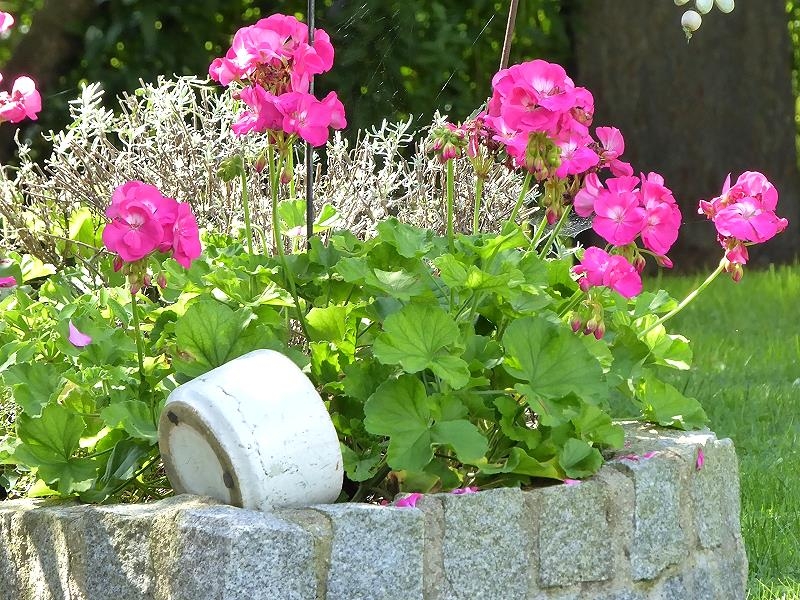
695	112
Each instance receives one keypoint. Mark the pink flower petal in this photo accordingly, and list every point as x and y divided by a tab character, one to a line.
409	501
6	21
76	338
701	458
572	482
464	490
7	282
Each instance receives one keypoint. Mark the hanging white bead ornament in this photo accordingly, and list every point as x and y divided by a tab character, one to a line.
704	6
691	21
725	6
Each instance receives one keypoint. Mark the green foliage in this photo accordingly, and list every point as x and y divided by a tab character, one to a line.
443	365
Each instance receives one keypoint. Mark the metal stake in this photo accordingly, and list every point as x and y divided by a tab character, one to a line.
512	17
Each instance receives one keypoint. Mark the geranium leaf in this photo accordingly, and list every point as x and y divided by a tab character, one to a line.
34	385
579	459
409	241
399	409
134	417
663	404
417	338
462	436
551	359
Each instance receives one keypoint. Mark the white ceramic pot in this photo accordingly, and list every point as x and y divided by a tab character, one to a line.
253	433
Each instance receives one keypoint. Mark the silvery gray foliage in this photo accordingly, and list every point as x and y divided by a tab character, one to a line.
176	133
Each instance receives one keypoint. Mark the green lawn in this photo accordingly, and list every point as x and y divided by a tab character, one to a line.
746	341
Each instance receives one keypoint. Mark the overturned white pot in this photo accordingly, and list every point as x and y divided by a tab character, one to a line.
253	433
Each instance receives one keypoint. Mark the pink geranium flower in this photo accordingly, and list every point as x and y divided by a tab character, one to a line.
576	156
23	102
6	21
620	217
7	282
599	268
613	145
185	236
133	232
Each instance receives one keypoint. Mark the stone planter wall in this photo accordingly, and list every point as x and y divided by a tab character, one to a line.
655	529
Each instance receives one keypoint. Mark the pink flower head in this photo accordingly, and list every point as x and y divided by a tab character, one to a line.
409	501
6	21
576	156
185	237
620	216
7	282
745	211
309	118
599	268
572	482
23	102
264	112
613	145
76	338
143	221
585	198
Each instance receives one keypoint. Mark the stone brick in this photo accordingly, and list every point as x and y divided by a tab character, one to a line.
227	553
489	547
376	552
659	535
576	542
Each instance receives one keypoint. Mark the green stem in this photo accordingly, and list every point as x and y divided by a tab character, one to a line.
290	162
689	297
138	331
476	213
556	230
246	208
524	192
573	301
274	179
450	194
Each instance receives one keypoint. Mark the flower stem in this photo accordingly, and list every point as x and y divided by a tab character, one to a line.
274	180
689	297
138	331
450	194
476	213
553	234
524	192
246	208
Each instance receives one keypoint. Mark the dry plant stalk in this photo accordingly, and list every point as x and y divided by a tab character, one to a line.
175	134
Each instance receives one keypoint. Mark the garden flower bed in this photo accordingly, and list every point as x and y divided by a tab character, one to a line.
659	521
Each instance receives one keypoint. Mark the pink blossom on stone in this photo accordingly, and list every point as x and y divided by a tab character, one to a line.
6	21
76	338
649	455
465	490
572	482
409	501
7	282
701	458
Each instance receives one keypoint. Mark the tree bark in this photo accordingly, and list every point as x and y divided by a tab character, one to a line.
695	112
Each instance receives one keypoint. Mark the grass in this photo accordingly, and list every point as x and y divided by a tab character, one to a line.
746	372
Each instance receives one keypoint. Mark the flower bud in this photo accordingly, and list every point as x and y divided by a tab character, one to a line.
725	6
146	281
639	263
600	331
135	287
591	326
118	263
260	164
576	324
162	281
704	6
664	261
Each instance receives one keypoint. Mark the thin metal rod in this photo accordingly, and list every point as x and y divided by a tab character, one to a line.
309	148
512	17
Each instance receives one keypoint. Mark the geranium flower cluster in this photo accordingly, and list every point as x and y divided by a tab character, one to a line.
743	214
628	207
542	118
275	63
144	221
